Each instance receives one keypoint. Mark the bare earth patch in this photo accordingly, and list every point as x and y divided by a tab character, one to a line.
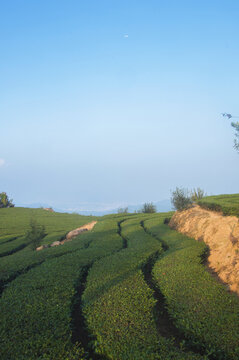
72	234
77	231
220	233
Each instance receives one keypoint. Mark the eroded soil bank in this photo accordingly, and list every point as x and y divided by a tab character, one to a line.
70	235
220	233
77	231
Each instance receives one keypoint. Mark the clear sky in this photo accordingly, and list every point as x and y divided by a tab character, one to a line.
117	102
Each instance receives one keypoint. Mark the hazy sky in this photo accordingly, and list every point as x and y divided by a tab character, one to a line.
116	102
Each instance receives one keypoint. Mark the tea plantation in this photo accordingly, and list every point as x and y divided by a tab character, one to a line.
227	204
129	289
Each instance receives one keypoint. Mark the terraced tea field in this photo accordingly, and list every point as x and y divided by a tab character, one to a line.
129	289
227	204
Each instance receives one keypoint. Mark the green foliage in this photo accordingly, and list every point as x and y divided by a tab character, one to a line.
35	234
15	221
119	306
35	308
201	307
235	125
13	246
197	194
39	290
16	264
227	204
181	199
148	208
4	201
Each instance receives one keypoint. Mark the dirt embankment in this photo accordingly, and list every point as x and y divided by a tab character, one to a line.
220	233
79	230
70	235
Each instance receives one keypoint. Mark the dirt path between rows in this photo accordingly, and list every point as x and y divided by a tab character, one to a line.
220	233
70	235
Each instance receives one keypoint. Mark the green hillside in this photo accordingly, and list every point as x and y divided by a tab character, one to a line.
129	289
15	221
227	204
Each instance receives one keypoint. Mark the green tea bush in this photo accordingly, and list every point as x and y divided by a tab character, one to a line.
201	307
35	308
227	204
40	288
11	247
14	225
20	262
15	221
7	238
119	305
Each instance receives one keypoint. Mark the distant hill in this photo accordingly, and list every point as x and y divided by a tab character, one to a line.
161	206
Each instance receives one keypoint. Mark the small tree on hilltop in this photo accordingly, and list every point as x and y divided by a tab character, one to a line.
197	194
181	199
4	201
35	234
148	208
123	210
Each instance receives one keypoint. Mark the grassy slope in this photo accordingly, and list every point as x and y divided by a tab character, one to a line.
35	308
227	204
117	302
119	305
15	221
200	306
40	290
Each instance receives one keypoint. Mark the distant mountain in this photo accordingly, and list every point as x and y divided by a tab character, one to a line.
161	206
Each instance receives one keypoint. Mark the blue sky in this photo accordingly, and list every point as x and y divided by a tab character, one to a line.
117	102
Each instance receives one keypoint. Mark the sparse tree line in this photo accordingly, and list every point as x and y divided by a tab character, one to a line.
183	199
147	208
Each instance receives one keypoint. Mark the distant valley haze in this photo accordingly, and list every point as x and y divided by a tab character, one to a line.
98	209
